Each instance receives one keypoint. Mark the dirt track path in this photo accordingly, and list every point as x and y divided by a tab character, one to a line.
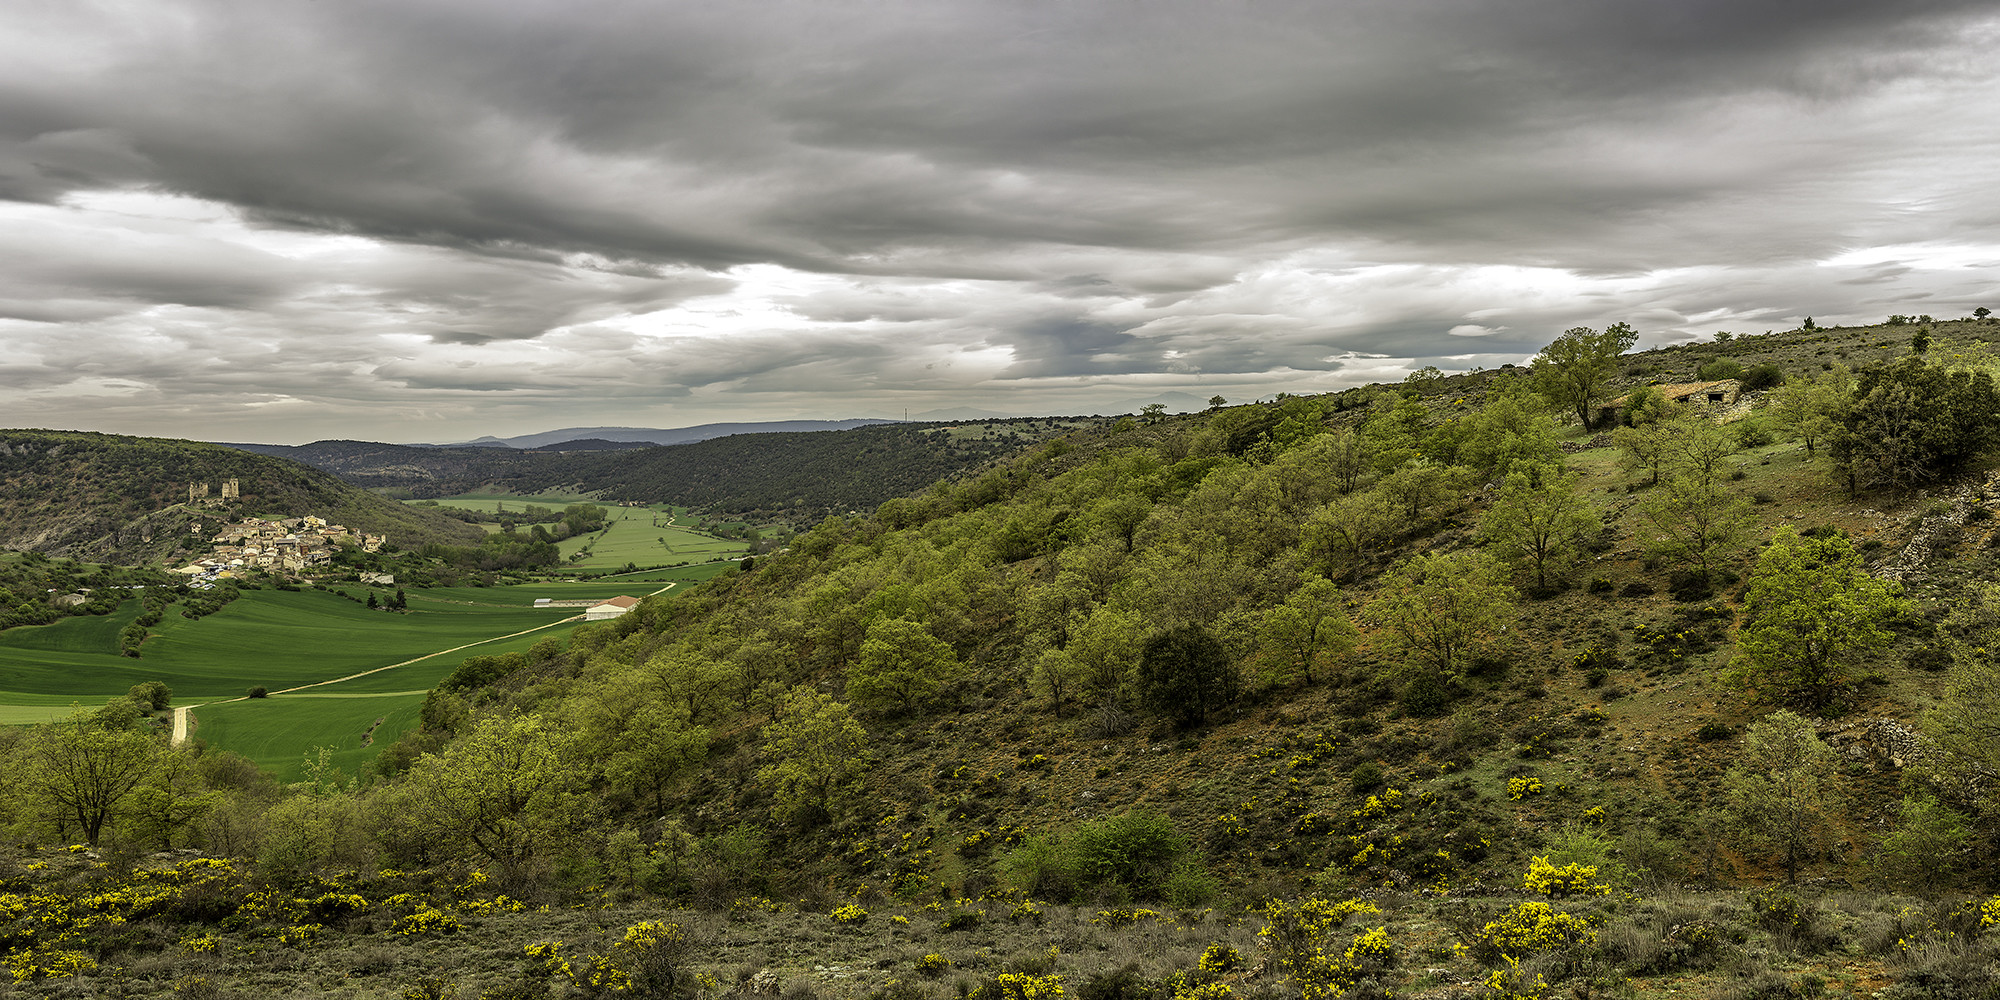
184	719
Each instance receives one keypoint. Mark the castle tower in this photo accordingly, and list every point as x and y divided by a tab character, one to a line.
230	491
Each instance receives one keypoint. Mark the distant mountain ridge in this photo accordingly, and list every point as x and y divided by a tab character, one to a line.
789	475
656	435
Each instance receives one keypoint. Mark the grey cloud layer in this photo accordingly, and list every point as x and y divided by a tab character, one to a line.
1092	189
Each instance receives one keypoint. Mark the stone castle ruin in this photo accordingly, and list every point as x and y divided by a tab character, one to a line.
198	492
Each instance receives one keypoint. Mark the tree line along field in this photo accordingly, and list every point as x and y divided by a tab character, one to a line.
635	536
278	640
642	536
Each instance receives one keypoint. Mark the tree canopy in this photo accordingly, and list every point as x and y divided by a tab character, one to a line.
1913	421
1184	673
1573	371
1442	609
1812	612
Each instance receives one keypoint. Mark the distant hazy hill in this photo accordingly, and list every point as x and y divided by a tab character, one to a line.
595	444
114	498
792	474
423	470
674	435
796	474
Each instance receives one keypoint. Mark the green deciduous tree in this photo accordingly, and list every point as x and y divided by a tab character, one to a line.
1924	854
901	667
1696	517
657	747
1052	611
1963	728
172	797
1420	485
1573	371
1913	421
697	684
1781	790
79	775
151	696
1309	631
1513	427
1539	521
511	791
1811	614
1104	649
1811	409
815	755
1341	536
1442	609
1185	673
1647	445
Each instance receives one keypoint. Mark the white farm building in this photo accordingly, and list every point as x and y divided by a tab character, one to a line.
610	609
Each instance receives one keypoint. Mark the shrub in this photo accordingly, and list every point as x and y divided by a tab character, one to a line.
1220	958
1758	378
1689	585
1190	885
259	692
1750	434
1719	369
430	988
1125	983
1426	697
1133	855
1796	925
1561	883
426	920
1935	658
1298	937
1530	928
1713	731
1595	658
1666	939
1366	777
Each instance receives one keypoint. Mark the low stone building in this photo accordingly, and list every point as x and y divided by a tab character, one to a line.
1700	395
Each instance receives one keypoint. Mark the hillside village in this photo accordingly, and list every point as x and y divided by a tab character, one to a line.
289	545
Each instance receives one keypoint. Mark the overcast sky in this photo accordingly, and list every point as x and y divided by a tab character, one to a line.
419	220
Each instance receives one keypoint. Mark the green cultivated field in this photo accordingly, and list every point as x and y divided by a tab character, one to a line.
494	502
640	536
279	640
683	574
645	536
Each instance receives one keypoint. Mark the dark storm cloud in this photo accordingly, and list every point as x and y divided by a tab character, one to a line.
804	135
461	197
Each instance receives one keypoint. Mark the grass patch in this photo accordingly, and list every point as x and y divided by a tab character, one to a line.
644	536
279	640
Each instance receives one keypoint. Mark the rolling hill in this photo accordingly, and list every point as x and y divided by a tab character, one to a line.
1085	720
797	476
115	498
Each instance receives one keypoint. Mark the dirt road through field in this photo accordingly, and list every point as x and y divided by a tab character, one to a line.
182	718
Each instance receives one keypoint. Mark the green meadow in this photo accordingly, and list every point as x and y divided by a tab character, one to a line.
496	503
638	536
644	536
314	641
